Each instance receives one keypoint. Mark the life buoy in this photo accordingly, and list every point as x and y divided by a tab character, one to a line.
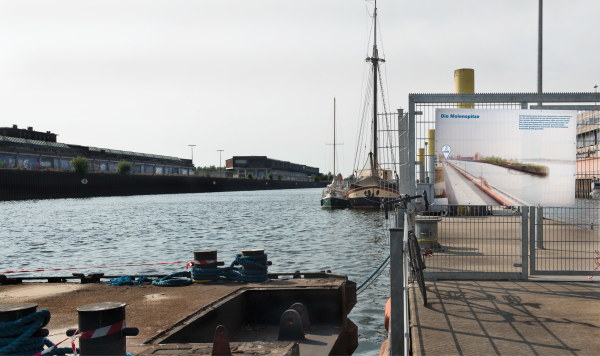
383	351
387	314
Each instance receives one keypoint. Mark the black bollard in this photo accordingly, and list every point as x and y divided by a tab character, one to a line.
290	326
12	312
205	259
257	252
103	329
301	309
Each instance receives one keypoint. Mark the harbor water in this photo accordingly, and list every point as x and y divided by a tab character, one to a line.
289	224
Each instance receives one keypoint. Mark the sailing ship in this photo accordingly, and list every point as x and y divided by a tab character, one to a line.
334	195
373	185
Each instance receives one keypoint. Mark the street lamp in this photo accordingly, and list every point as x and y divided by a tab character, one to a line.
192	147
220	151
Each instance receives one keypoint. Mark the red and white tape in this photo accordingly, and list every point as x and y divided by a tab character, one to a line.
201	262
103	331
89	334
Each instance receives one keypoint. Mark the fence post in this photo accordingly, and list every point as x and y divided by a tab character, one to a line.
403	149
412	185
539	232
525	242
396	332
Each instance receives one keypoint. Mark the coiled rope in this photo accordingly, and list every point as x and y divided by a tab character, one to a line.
173	280
16	336
253	269
128	281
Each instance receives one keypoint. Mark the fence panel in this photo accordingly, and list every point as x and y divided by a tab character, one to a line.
563	241
567	240
475	242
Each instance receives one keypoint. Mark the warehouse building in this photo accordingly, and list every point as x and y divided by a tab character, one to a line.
29	149
262	167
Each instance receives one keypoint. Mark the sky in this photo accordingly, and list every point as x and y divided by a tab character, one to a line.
258	77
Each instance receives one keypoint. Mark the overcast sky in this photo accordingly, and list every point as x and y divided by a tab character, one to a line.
258	77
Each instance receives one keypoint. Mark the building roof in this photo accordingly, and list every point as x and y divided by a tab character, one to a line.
76	150
6	140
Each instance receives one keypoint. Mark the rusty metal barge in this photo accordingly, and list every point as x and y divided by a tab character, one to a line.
199	319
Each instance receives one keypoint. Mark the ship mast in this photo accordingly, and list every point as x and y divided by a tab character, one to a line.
375	62
334	171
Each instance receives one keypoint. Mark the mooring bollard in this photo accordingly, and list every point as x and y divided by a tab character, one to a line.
13	312
257	252
102	328
205	258
254	265
205	261
290	326
221	342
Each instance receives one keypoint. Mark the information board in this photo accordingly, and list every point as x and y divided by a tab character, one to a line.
505	157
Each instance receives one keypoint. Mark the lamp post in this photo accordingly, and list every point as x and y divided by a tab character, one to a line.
540	43
220	151
192	148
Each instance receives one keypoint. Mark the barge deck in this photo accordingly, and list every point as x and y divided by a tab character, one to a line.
183	319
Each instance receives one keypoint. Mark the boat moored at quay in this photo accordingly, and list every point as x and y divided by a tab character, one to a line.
373	185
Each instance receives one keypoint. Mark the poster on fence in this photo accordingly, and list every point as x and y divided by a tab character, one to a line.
505	157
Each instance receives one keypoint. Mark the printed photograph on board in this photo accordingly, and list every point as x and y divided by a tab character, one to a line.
505	157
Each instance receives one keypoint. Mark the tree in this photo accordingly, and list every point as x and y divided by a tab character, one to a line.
250	176
80	165
123	167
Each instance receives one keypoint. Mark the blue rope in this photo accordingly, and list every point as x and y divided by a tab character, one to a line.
209	274
258	273
16	339
374	273
173	280
128	281
253	269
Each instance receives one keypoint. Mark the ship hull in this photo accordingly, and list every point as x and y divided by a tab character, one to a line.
334	203
370	197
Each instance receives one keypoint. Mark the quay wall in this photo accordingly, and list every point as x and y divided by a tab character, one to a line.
18	184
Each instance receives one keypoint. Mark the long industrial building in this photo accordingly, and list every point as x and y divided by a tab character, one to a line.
262	167
29	149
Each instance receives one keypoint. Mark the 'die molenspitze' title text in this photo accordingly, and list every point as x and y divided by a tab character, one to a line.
459	116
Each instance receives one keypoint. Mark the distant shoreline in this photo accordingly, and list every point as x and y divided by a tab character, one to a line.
32	185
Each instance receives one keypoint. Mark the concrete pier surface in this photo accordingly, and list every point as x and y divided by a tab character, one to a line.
506	318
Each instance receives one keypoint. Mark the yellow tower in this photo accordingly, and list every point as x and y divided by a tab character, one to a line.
464	83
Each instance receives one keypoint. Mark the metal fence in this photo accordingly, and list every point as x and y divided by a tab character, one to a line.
565	240
473	242
494	242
